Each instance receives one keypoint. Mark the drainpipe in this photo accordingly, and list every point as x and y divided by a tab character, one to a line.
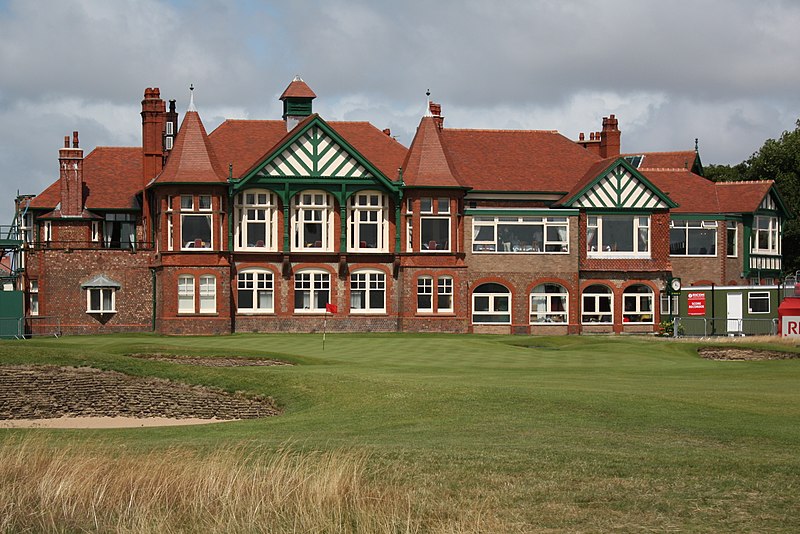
153	303
713	312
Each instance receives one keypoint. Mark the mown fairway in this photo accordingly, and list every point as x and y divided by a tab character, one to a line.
536	434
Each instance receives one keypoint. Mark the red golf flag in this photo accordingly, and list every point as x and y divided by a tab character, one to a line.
331	308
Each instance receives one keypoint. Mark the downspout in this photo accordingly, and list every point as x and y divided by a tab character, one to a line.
153	284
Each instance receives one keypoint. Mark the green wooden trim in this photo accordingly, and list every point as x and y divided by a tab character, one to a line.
398	228
287	223
316	122
454	187
747	236
612	169
543	212
698	217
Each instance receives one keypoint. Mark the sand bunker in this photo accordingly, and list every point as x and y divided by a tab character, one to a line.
82	397
210	361
740	354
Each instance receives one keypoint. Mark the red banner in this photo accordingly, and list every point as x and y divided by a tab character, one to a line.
697	303
332	308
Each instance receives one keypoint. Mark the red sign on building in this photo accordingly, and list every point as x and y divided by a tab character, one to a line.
697	303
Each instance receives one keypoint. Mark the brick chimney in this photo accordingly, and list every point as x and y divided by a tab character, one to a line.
436	113
70	161
609	137
154	116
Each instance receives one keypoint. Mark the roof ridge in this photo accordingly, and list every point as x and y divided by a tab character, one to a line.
498	130
734	182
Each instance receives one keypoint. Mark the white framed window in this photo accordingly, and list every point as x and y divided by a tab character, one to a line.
100	300
491	304
549	304
425	294
196	228
732	241
311	291
758	302
444	294
168	128
48	231
119	230
620	236
513	234
168	142
312	222
597	301
33	297
256	213
255	291
637	305
669	304
27	228
434	224
368	292
95	231
186	293
766	235
208	293
170	243
692	238
368	230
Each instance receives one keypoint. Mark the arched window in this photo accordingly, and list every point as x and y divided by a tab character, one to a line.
256	220
186	293
491	304
255	291
549	304
312	222
312	290
597	304
368	292
208	294
637	304
368	230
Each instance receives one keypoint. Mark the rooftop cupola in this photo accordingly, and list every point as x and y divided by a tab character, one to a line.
296	102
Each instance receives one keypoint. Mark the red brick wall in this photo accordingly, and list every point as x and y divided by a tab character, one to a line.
60	274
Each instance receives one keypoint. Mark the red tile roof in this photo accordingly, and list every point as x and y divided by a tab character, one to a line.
515	160
426	163
298	89
683	159
192	158
742	197
244	143
695	194
112	178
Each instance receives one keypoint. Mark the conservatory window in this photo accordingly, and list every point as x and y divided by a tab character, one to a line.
509	234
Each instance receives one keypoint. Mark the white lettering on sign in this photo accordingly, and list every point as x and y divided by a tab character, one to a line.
790	326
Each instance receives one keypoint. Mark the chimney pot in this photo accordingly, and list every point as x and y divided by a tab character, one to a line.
388	132
582	136
75	139
66	141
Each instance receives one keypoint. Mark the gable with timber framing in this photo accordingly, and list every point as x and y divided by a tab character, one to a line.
620	186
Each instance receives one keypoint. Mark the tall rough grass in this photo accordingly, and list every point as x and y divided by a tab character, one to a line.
48	488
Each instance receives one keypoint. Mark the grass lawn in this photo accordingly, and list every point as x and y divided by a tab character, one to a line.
572	433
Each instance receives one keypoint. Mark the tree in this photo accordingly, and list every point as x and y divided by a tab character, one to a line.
779	160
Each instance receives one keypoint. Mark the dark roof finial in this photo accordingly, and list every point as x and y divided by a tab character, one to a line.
696	149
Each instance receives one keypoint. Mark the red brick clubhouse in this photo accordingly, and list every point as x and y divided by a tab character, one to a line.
259	224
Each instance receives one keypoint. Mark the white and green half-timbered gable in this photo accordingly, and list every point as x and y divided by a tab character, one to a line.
619	187
763	230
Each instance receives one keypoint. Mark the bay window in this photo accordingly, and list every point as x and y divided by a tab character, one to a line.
368	230
256	220
435	224
506	234
692	238
312	220
766	235
618	236
195	226
100	300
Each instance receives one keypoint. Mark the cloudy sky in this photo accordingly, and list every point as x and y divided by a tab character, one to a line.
724	71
